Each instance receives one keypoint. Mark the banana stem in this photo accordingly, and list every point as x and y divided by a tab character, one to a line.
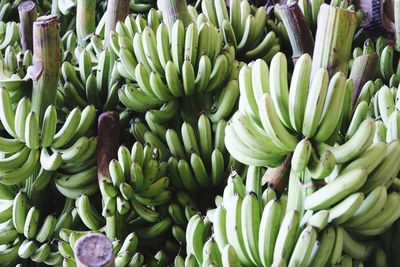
94	250
173	10
364	69
333	39
277	178
27	15
107	143
117	10
85	20
300	36
46	67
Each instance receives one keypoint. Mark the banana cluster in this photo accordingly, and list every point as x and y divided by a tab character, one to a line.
254	228
85	86
169	64
27	146
272	119
196	154
139	182
140	190
25	235
244	26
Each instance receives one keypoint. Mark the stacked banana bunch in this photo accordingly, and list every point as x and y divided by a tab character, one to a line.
24	237
244	27
88	84
140	183
161	65
53	147
254	228
276	118
196	153
210	111
354	163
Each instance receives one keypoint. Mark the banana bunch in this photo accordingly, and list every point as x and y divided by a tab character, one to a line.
133	24
25	235
166	65
272	120
244	26
254	228
90	83
26	146
196	154
139	182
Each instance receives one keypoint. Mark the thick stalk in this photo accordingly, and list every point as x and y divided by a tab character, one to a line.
300	36
364	69
117	10
174	10
85	19
107	143
46	67
107	148
94	250
333	40
27	15
277	178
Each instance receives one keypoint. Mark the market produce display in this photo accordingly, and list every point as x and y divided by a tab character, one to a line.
199	133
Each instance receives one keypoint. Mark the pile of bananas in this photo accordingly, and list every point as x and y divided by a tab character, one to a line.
254	228
161	65
223	151
196	153
244	26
